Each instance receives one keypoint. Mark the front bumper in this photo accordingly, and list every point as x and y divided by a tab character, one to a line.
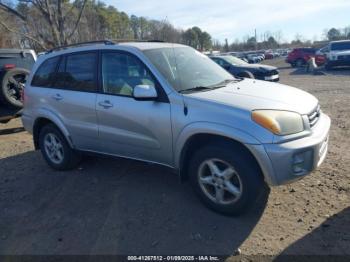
339	62
289	161
273	78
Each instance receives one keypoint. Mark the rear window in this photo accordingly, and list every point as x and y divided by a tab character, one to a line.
22	60
309	50
340	46
45	74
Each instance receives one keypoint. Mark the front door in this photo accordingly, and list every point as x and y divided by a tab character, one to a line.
127	127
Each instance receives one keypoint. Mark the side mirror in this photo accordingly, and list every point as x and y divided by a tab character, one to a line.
144	93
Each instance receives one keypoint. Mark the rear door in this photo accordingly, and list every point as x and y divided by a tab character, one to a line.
127	127
73	96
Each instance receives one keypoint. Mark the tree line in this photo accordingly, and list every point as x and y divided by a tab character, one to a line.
44	24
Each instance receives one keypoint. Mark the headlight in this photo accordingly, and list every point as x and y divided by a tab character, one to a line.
279	122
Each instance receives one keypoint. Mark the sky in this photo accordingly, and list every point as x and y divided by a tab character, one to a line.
234	19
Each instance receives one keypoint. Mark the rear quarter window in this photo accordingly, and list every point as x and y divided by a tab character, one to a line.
44	76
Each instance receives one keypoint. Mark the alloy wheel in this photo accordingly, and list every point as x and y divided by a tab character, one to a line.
219	181
54	148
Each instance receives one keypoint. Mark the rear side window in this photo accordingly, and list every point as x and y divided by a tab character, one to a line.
80	73
44	75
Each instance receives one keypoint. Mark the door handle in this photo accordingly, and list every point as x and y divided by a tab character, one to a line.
57	97
105	104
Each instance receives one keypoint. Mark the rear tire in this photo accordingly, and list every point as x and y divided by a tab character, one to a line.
240	189
56	150
300	63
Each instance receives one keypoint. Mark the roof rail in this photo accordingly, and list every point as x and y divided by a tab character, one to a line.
106	42
136	40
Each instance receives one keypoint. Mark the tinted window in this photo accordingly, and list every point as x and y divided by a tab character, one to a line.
341	46
121	72
309	50
44	75
219	61
60	75
80	73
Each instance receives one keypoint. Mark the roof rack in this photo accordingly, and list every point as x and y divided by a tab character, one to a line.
136	40
106	42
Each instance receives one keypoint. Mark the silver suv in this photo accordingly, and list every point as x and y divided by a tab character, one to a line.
169	104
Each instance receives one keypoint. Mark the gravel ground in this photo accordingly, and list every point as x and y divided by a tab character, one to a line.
116	206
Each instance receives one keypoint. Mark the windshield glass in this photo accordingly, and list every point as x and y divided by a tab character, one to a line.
234	60
341	46
185	68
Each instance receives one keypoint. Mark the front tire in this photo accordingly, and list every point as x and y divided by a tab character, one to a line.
328	67
246	74
226	181
56	150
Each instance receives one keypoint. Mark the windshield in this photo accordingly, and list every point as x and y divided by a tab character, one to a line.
186	69
234	60
341	46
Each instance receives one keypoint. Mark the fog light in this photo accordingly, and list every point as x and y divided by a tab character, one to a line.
302	162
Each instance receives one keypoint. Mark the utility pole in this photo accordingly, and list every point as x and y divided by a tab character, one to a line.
256	41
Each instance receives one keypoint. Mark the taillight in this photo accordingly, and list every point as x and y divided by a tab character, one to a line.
9	66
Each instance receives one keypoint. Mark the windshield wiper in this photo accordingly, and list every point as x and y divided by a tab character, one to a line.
207	88
196	88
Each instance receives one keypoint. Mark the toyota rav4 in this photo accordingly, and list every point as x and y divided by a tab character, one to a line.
170	104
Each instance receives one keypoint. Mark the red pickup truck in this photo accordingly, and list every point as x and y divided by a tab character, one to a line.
299	57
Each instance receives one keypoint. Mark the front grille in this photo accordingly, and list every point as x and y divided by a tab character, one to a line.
314	116
344	57
271	73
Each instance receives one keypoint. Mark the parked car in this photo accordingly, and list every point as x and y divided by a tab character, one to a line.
253	58
15	65
337	54
172	105
299	56
239	68
269	55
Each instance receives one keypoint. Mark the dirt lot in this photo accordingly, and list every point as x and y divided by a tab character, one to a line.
114	206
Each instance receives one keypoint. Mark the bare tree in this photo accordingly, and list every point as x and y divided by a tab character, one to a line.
57	15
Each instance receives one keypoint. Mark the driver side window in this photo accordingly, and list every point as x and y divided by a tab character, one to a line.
121	72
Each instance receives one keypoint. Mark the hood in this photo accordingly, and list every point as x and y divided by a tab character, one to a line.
251	94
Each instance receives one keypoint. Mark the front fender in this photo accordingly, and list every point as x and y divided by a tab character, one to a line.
209	128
